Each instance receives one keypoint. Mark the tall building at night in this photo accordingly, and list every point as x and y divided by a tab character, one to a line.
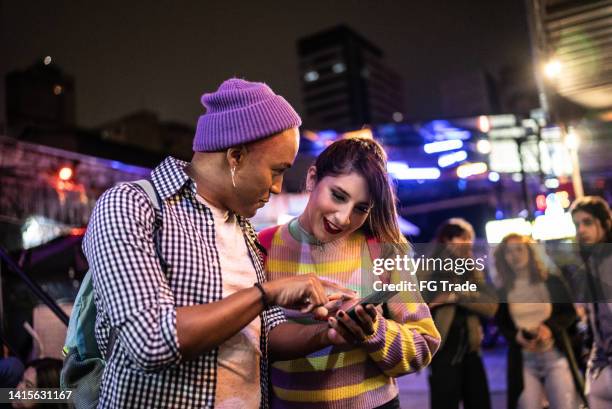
345	83
41	96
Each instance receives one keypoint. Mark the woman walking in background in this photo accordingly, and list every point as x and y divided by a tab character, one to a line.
350	215
535	316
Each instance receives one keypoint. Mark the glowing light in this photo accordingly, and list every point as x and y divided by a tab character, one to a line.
483	146
552	68
494	177
484	124
398	117
553	227
443	146
541	202
517	177
452	158
311	76
551	183
406	173
471	169
338	67
496	230
572	141
65	173
47	60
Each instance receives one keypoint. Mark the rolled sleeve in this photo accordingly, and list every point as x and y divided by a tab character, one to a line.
131	288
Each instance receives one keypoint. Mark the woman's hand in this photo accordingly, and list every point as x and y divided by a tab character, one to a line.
344	330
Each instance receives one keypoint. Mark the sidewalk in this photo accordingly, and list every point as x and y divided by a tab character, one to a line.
414	388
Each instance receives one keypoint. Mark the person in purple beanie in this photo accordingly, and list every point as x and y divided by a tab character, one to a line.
195	327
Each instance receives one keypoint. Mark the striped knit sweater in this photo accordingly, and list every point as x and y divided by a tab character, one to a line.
350	376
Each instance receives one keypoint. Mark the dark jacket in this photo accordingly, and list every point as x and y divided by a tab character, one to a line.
562	317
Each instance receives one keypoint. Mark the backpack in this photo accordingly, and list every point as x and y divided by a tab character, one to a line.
83	362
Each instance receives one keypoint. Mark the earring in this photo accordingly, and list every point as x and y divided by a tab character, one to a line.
233	172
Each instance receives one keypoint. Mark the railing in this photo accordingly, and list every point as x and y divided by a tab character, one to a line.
34	287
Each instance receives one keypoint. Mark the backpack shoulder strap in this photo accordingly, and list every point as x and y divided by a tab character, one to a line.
155	199
150	190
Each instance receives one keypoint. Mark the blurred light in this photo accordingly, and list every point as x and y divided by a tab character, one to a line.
47	60
541	202
396	167
462	184
338	67
57	89
571	140
471	169
38	230
328	135
398	117
499	214
443	146
552	68
65	173
484	124
524	213
407	173
517	177
563	198
496	230
483	146
553	227
311	76
551	183
502	121
494	177
360	133
452	158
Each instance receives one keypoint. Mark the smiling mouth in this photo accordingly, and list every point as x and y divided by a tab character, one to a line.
330	227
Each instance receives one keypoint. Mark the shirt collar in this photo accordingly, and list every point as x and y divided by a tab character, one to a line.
169	177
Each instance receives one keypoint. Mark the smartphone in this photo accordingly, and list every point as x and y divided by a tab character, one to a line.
375	299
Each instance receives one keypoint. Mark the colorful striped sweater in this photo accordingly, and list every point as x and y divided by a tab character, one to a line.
350	376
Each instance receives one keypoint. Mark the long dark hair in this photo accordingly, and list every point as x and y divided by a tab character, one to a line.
599	209
48	376
366	157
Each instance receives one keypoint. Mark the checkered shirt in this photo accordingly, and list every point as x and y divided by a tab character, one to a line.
136	298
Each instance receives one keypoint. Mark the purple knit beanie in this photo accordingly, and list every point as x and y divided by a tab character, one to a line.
240	112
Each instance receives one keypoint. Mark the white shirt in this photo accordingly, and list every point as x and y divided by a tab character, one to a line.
238	377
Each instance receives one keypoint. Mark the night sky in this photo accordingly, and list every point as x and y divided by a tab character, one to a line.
162	55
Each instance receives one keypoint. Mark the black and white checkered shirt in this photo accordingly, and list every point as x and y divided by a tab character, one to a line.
134	296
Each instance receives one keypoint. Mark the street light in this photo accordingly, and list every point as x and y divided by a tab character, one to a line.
552	68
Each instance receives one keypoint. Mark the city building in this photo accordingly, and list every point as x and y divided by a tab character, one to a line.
345	82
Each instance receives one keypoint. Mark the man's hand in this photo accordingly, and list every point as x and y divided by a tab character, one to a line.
306	293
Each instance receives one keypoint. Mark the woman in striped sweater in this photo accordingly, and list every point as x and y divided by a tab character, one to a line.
349	221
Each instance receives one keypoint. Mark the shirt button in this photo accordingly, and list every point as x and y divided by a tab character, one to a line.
210	222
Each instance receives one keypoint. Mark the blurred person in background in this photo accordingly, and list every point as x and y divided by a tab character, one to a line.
534	316
350	214
593	221
457	373
40	373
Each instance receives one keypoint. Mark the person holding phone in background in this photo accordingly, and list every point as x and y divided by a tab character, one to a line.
349	216
535	317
